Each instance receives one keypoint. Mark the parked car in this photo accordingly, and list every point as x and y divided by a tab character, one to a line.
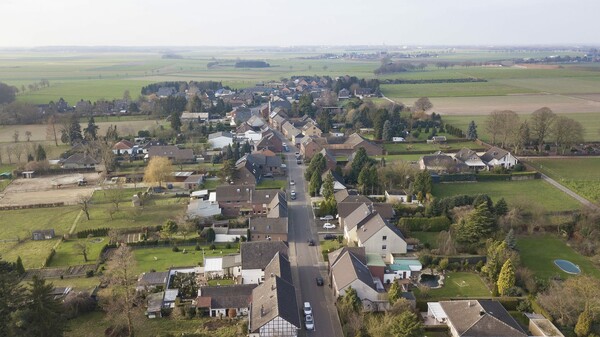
311	242
329	237
320	281
307	309
292	182
328	225
326	218
268	175
309	322
293	195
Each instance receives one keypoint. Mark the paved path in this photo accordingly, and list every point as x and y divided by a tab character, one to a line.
576	196
305	260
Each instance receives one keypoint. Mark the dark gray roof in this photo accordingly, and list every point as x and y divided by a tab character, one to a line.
494	153
220	134
234	192
274	298
350	196
230	296
346	208
257	255
153	278
279	266
81	159
171	151
481	318
268	226
348	268
465	154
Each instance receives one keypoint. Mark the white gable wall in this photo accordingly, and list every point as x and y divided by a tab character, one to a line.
393	243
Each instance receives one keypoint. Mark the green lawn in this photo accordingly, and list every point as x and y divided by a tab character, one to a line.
539	252
162	258
390	158
211	185
514	192
271	184
94	324
20	223
426	237
156	212
67	255
461	284
33	253
581	174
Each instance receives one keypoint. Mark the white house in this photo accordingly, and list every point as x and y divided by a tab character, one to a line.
250	135
379	237
219	140
255	258
499	157
349	270
401	269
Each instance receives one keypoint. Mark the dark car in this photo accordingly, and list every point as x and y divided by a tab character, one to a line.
320	281
311	242
329	237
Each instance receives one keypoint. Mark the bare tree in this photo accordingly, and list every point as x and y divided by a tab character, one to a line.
115	194
28	135
422	104
503	124
120	276
81	248
18	151
15	136
9	153
566	132
51	129
541	124
84	204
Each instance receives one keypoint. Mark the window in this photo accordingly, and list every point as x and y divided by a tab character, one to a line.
384	238
384	247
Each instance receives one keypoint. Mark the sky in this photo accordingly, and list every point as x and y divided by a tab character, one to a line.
294	23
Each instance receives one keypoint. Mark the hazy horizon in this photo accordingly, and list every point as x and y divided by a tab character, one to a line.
270	23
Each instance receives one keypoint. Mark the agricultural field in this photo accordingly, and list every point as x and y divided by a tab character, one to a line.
536	256
580	174
33	253
20	223
38	132
514	192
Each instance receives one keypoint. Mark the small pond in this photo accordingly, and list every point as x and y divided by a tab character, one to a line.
432	281
567	266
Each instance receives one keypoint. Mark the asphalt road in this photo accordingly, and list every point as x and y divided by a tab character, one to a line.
305	259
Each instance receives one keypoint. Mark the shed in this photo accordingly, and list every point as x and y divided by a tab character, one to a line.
27	174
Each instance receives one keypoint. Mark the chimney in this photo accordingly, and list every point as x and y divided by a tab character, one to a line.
481	313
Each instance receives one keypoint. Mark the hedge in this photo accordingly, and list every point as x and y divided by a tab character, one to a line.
493	177
434	224
96	232
49	257
540	310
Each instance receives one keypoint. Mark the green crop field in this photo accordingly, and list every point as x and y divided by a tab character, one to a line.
20	223
581	174
536	256
514	192
451	89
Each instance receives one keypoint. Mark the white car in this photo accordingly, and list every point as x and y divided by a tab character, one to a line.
307	309
328	225
292	182
326	218
309	322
